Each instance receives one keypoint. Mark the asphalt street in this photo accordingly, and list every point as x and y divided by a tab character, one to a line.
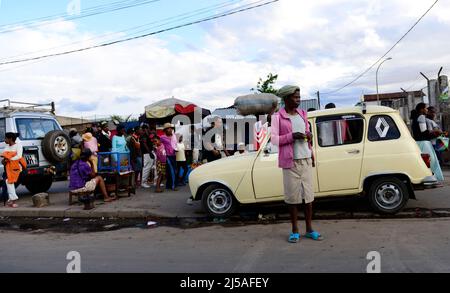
412	245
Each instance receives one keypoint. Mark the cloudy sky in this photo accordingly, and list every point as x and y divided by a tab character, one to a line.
319	45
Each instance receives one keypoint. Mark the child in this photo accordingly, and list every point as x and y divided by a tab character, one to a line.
14	164
161	158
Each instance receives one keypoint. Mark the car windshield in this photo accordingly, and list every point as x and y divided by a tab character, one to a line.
35	128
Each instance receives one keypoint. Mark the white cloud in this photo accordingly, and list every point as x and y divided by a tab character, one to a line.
320	46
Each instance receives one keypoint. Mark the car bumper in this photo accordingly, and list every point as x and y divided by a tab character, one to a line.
32	171
429	182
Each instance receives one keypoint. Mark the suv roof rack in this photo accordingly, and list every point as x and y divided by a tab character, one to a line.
12	106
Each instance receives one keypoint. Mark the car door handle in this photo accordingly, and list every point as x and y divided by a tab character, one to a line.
353	152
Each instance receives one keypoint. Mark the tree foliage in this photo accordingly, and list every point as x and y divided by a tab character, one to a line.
119	119
266	86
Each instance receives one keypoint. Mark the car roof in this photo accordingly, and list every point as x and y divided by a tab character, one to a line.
26	114
352	110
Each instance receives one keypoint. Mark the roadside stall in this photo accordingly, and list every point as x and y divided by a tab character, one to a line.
115	168
165	111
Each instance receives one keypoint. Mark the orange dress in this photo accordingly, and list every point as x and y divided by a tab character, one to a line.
13	168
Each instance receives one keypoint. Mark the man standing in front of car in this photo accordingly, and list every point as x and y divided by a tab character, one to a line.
291	133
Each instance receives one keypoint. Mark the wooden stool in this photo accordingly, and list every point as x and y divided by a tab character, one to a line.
77	194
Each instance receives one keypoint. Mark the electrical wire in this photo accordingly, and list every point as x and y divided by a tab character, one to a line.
85	13
142	36
384	55
164	21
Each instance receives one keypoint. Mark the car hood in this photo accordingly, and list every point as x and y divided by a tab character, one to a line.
227	164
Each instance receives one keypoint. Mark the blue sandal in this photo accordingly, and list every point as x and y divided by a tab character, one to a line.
294	238
314	236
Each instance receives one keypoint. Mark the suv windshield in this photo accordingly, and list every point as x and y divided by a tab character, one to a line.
35	128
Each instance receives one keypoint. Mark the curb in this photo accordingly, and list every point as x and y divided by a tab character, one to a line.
148	214
79	214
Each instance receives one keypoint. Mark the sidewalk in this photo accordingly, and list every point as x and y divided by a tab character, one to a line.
144	204
170	205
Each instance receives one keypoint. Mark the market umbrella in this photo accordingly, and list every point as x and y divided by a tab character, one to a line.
164	111
169	107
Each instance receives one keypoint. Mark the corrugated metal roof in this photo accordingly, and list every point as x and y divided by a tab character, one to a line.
308	104
223	112
229	113
393	96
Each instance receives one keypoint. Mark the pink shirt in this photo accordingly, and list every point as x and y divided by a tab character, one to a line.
161	154
92	145
170	143
281	135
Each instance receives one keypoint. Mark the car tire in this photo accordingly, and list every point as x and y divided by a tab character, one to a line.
388	195
218	201
56	146
39	184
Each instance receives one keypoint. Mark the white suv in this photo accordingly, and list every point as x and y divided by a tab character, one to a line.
46	147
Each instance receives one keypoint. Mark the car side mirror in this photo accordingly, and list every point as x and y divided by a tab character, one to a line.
267	150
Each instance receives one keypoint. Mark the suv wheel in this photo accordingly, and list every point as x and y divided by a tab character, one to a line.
56	146
39	184
388	195
218	201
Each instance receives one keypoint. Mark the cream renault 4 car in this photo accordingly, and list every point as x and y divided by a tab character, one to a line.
359	152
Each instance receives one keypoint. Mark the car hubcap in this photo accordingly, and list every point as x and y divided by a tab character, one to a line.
61	146
219	201
389	196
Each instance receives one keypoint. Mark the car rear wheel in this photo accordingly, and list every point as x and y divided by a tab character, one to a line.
218	201
39	184
56	146
388	195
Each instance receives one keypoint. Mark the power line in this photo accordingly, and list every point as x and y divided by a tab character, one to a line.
60	15
417	80
85	13
381	58
142	36
189	15
165	21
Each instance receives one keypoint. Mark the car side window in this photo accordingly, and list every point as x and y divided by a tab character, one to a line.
35	128
383	127
340	130
2	129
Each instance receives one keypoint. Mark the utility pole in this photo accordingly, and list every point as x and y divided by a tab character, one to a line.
436	88
432	91
442	88
318	99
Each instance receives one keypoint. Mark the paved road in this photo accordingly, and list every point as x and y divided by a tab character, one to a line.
173	205
405	246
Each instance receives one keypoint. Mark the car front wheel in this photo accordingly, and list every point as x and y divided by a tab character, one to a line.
218	201
388	195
